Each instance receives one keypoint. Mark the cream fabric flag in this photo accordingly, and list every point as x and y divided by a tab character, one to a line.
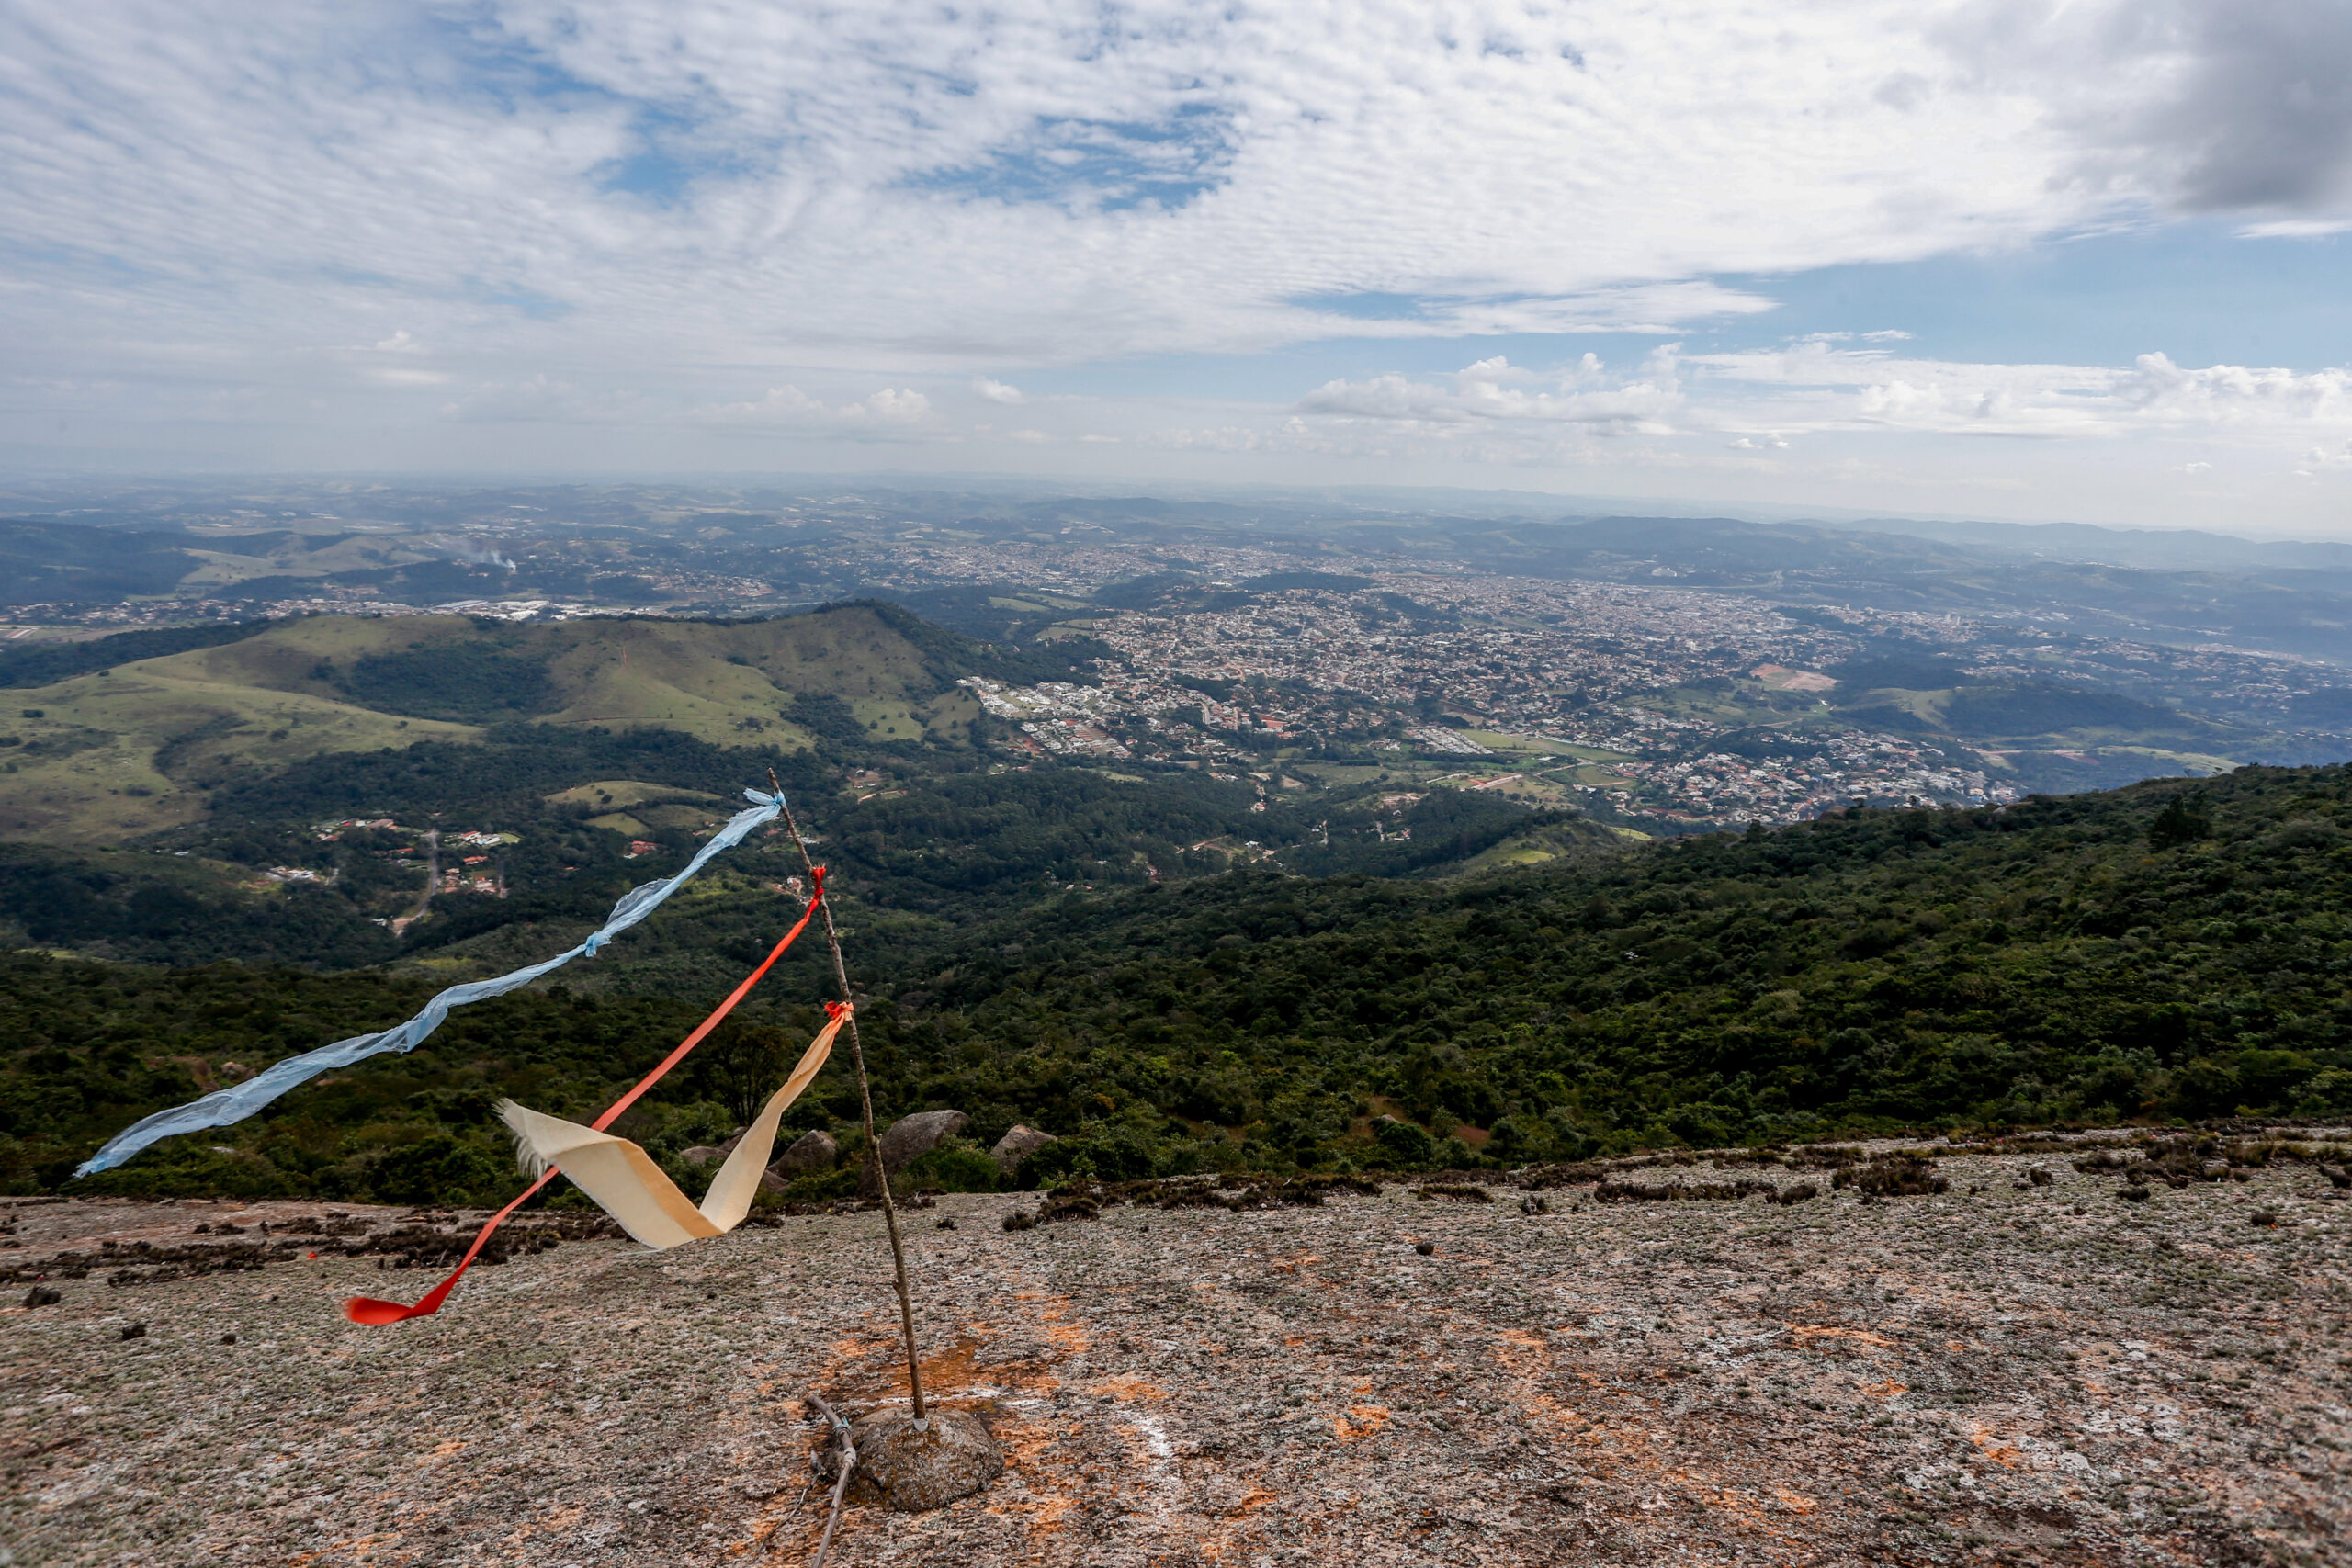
628	1185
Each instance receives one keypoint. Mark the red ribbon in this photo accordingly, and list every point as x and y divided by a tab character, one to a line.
368	1309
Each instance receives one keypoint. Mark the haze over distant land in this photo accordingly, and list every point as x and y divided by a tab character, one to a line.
1967	259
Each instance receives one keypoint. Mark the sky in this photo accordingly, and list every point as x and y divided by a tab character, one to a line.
2039	259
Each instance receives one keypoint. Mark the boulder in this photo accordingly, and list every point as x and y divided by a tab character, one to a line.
908	1139
702	1154
914	1469
1019	1144
811	1153
911	1137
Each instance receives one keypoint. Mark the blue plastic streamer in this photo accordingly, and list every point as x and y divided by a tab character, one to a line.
236	1102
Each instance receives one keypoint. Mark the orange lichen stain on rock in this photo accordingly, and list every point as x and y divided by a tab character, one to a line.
1523	1353
446	1448
1041	1511
1795	1502
1751	1514
1130	1389
1024	1442
1369	1419
952	1368
1293	1265
1806	1331
2006	1455
1886	1390
1070	1336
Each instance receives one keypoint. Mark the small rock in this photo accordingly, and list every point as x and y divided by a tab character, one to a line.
811	1153
136	1331
947	1222
42	1296
2267	1218
1425	1247
1018	1145
228	1340
1532	1204
1020	1220
913	1470
2133	1194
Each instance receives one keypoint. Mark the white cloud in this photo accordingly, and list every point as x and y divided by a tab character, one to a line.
1821	387
2296	228
892	187
1493	390
405	376
789	408
735	216
1815	386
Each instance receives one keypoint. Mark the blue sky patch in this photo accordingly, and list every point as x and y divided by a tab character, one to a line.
1104	165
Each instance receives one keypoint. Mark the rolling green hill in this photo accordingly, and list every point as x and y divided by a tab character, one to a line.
112	753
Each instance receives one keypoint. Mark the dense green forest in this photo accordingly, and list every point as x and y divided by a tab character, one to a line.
2167	951
959	837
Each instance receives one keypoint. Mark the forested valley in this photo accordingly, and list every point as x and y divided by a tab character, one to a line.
2173	951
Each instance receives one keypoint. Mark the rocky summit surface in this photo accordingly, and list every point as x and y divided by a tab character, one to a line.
2001	1371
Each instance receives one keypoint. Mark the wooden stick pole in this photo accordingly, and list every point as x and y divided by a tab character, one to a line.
865	1094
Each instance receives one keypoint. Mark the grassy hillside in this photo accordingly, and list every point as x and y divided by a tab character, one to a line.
117	749
107	756
2158	952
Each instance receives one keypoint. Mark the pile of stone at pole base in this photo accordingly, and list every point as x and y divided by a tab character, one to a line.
915	1466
